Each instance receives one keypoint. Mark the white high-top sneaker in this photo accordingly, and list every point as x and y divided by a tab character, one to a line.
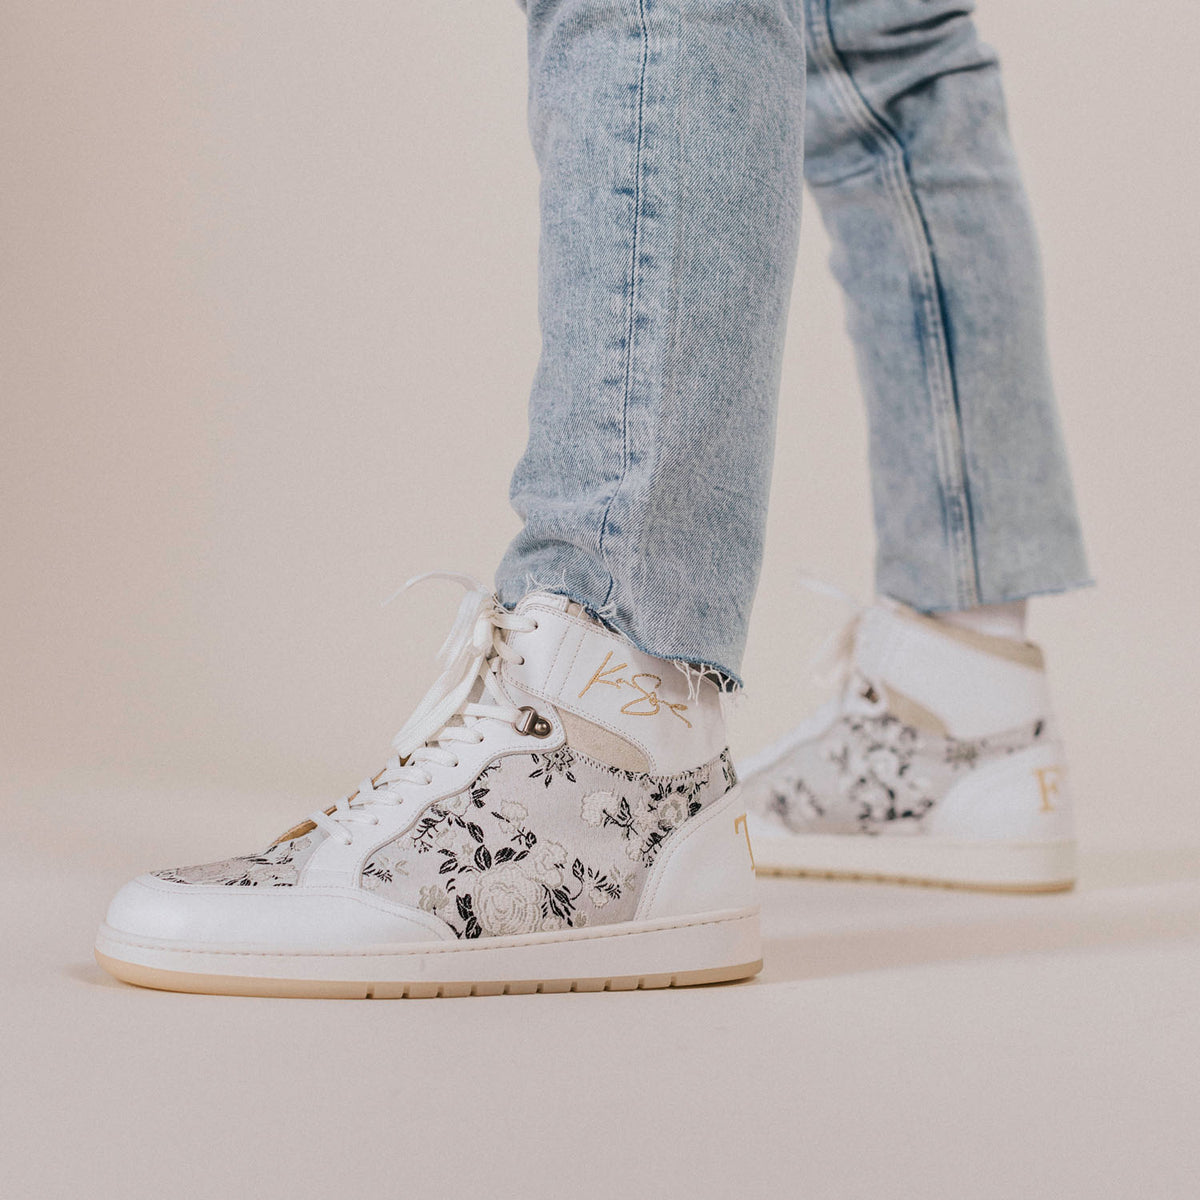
938	763
560	815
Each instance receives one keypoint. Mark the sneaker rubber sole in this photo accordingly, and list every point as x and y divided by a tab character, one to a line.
933	862
680	952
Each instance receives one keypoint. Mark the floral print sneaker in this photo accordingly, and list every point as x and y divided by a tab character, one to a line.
937	763
561	813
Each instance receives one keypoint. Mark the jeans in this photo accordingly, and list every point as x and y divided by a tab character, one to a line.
672	138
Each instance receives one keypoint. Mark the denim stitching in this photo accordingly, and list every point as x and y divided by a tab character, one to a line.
644	33
939	374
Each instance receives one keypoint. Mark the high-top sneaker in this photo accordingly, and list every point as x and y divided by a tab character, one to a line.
561	814
937	763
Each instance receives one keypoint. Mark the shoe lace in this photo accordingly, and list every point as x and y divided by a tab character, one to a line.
833	665
446	716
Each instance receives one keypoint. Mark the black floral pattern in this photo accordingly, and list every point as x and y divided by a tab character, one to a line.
876	774
277	866
537	842
554	765
541	842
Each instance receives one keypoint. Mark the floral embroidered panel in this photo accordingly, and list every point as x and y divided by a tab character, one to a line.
542	842
877	774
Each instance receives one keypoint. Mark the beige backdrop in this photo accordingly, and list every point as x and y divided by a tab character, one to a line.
267	276
268	288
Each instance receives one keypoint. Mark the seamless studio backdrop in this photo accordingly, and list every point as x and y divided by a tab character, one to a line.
268	293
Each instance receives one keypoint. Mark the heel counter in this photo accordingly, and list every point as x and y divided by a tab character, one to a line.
1025	797
707	866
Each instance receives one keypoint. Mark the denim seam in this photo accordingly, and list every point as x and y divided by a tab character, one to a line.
631	321
939	369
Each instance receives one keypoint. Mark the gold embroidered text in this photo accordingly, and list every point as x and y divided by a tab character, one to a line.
646	703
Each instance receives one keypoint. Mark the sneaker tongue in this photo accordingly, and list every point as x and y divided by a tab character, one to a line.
543	600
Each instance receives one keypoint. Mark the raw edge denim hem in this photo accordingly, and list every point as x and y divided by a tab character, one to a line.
1001	598
725	679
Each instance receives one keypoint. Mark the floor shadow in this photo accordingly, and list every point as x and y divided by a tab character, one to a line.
1123	899
91	974
1138	868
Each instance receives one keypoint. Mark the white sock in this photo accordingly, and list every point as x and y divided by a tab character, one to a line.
999	620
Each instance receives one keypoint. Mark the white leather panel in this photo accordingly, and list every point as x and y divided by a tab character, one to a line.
973	692
286	919
575	664
705	867
1022	798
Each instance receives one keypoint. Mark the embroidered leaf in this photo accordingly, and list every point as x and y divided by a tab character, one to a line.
504	854
577	869
464	907
447	866
483	858
475	831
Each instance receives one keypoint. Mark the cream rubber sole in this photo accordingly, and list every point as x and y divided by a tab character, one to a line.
675	952
941	862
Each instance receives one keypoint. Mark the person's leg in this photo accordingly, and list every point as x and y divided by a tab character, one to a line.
669	137
561	811
940	761
909	159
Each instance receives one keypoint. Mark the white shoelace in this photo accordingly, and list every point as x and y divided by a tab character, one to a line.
473	650
833	663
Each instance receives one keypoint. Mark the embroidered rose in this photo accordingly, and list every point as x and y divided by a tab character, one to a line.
594	806
457	805
507	899
548	863
514	812
672	811
433	898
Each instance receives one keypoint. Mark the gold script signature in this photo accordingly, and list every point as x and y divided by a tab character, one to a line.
647	702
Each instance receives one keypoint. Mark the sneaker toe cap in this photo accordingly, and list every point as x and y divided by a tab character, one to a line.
283	919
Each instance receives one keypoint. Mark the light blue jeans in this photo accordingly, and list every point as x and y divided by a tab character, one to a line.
670	135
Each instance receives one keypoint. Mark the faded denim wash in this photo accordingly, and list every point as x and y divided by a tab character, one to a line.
669	135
